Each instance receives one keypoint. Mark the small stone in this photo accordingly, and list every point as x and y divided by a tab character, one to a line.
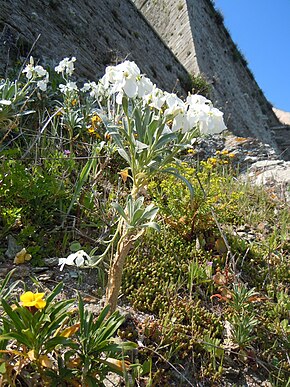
44	277
51	262
13	247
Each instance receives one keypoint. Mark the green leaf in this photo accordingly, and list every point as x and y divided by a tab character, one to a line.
2	368
59	340
125	155
83	177
125	104
55	292
153	225
17	321
75	246
174	172
120	210
19	337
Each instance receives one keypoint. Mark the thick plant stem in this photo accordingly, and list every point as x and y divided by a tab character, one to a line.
116	271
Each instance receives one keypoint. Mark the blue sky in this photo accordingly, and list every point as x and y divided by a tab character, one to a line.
261	29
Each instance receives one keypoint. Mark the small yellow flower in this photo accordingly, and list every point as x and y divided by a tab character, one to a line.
91	130
74	102
59	113
212	160
124	174
191	151
96	119
224	152
231	155
29	299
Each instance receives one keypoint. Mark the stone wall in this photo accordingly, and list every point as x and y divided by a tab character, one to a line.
195	33
168	39
97	33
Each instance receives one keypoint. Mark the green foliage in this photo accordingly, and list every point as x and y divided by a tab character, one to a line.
200	85
192	218
59	174
135	215
55	345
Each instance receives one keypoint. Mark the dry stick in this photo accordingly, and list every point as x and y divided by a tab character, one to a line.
40	133
30	51
217	223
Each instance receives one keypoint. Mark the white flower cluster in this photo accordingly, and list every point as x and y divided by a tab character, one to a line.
196	112
79	259
92	88
125	78
37	73
69	86
66	66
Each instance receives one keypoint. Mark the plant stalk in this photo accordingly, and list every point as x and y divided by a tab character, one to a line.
116	271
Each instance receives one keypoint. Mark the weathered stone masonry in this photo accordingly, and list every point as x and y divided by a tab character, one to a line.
168	39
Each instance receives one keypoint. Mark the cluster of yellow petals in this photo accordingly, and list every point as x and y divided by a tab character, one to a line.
30	299
96	123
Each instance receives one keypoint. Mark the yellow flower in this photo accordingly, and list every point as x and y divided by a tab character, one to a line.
96	119
212	160
33	299
124	174
224	152
74	102
231	155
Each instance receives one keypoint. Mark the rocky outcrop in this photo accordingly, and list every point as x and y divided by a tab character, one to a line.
253	161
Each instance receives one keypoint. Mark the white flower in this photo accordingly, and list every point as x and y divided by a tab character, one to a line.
35	72
40	71
193	99
42	84
29	71
215	123
86	87
155	99
66	66
174	104
5	102
120	79
202	113
92	88
79	259
145	86
69	86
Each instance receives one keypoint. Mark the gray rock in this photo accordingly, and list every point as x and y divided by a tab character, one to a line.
13	247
